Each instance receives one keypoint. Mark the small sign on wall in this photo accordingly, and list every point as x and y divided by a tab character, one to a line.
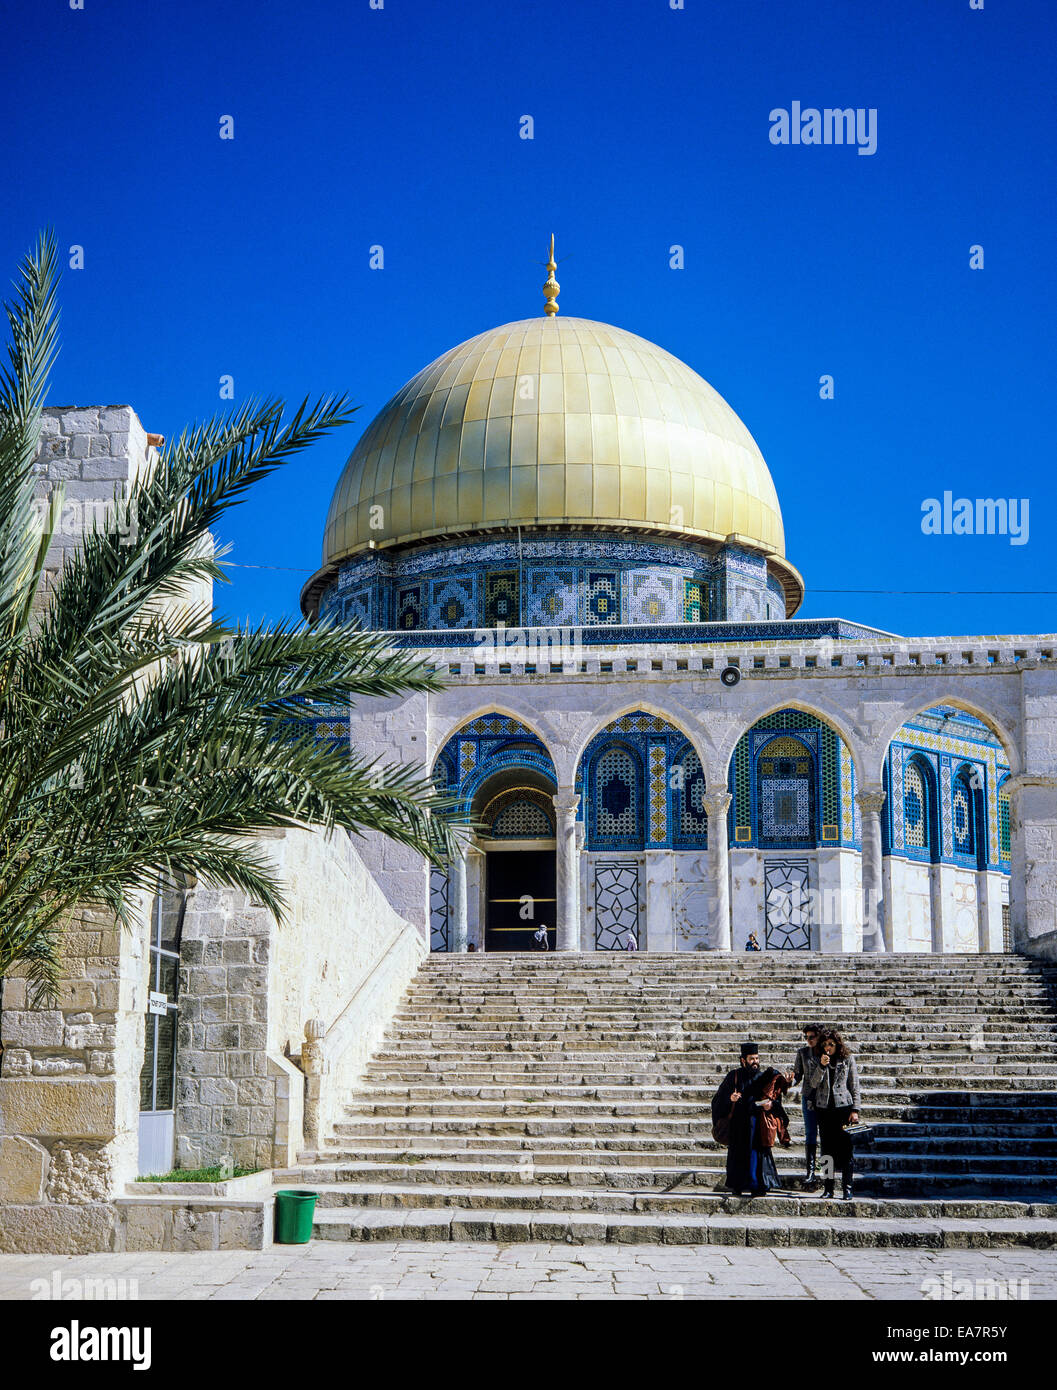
159	1003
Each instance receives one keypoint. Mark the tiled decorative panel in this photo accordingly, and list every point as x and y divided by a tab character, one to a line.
602	598
597	579
658	794
666	765
487	745
1003	824
695	601
787	904
688	801
819	749
916	809
501	598
617	802
451	603
616	903
552	597
651	597
521	813
438	910
947	739
409	606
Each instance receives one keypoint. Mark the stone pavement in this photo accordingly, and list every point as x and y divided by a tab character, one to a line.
421	1270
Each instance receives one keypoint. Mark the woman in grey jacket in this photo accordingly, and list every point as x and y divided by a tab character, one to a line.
834	1079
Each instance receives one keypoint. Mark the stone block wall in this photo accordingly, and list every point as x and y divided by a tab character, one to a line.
69	1090
248	987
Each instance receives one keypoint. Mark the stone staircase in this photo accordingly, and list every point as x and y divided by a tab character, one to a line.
566	1097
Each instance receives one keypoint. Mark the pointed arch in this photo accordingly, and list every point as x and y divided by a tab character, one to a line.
792	775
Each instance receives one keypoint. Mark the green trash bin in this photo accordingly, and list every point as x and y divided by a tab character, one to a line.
294	1213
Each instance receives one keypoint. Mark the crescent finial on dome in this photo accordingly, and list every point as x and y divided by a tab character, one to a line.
551	287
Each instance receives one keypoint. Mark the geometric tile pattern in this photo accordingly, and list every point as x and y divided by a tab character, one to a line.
438	910
643	582
501	598
616	903
951	731
785	809
788	925
488	744
963	815
695	601
1003	823
917	813
691	826
617	796
651	598
820	746
659	754
522	813
658	794
945	802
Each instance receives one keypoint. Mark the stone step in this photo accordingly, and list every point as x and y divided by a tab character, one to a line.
687	1197
939	1063
718	1033
943	1142
938	1164
556	1156
613	1129
517	1098
1038	1138
923	1182
579	1074
459	1224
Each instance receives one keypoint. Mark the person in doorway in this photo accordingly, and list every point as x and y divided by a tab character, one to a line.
834	1081
471	947
630	944
752	944
743	1119
540	935
812	1033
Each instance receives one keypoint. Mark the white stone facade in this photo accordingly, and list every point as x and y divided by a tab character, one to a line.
1008	682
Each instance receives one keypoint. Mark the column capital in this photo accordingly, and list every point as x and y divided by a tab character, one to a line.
871	799
566	801
717	803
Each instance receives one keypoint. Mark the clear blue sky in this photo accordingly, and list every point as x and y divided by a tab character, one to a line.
400	127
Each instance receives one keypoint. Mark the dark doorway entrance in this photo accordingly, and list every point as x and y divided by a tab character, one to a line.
512	877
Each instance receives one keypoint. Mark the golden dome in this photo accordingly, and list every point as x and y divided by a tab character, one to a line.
557	422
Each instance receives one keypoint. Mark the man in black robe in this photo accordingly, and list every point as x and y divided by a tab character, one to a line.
750	1165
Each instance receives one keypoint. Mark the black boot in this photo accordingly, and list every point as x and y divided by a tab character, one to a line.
845	1182
812	1153
827	1188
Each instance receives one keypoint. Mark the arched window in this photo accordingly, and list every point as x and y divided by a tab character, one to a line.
616	819
919	809
967	822
520	813
689	818
786	795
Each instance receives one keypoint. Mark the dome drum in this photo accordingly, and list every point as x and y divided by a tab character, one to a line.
580	579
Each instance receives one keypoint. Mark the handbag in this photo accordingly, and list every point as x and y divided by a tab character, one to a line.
858	1130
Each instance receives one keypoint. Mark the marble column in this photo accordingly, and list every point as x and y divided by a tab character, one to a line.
567	915
870	801
457	904
717	804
